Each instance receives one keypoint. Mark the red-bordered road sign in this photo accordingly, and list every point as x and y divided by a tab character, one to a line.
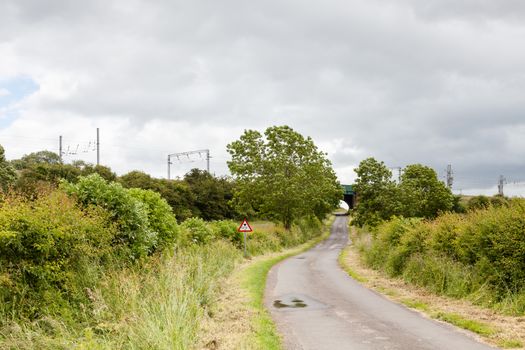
245	226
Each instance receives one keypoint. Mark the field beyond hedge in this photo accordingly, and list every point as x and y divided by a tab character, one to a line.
479	255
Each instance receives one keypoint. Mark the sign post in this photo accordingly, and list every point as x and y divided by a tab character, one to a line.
245	227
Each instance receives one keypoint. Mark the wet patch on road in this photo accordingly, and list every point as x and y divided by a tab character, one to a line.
295	304
297	301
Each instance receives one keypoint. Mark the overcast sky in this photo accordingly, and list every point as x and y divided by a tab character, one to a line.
435	82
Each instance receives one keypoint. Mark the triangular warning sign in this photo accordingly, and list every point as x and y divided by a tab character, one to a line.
245	226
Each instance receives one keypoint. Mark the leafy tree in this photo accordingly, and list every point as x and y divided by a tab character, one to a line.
88	169
377	194
177	193
422	194
42	174
138	179
282	176
213	195
7	172
44	168
35	158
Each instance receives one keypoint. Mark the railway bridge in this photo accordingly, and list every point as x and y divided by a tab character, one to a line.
349	195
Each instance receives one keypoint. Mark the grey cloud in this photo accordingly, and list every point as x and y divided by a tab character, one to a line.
406	81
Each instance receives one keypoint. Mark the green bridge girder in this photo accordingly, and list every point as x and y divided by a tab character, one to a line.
348	189
349	195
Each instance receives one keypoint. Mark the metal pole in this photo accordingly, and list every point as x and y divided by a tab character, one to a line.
245	250
501	182
98	147
208	160
60	148
169	163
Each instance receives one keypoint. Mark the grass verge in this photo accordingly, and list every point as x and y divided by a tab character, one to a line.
348	269
510	344
416	304
241	320
501	330
462	322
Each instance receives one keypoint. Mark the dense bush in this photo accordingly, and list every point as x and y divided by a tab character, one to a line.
199	194
227	230
160	216
50	250
212	195
484	202
266	237
176	192
76	269
129	213
197	231
456	254
270	237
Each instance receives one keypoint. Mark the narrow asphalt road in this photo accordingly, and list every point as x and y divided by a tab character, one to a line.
316	305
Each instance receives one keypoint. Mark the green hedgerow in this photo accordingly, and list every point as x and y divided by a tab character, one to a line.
129	213
50	250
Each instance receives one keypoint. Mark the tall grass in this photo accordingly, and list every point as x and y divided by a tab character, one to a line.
478	255
155	306
67	279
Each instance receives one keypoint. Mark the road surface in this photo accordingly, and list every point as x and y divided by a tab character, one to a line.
316	305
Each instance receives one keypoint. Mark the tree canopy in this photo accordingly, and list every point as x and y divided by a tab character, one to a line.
422	194
213	195
177	193
199	194
418	194
46	168
377	193
7	172
32	159
282	176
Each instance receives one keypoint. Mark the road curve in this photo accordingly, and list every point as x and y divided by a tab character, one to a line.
316	305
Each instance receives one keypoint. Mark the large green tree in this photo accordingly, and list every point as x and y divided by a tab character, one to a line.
213	195
282	176
376	192
422	194
7	172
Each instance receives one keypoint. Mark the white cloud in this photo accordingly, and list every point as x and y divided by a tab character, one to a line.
4	92
408	81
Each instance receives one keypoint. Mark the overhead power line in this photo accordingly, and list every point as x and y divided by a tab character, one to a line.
187	155
81	147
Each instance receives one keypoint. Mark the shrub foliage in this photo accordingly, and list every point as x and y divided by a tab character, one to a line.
478	253
49	249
